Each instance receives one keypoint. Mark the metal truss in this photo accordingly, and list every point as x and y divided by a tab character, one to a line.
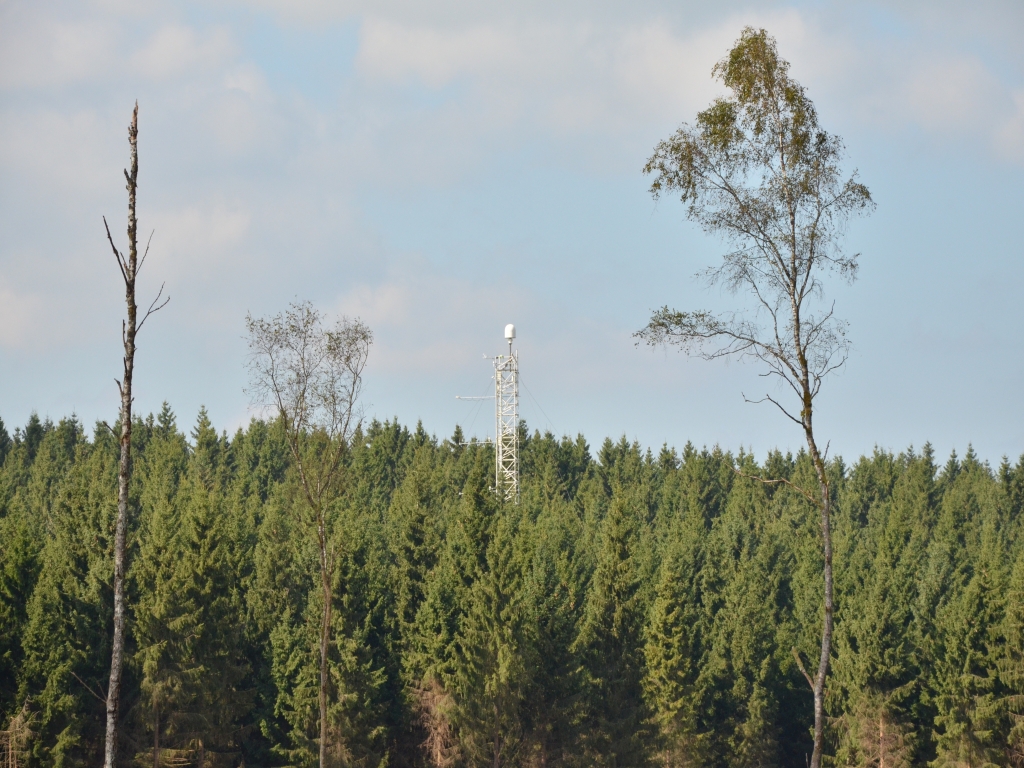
506	412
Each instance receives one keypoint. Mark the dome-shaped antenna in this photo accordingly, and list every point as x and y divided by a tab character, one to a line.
510	334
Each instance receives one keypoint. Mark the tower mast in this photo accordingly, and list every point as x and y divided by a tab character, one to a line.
506	414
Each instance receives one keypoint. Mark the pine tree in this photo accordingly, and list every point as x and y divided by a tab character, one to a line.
282	611
882	537
19	570
875	669
5	442
364	679
430	662
673	649
965	677
1011	666
748	667
189	637
161	471
414	534
66	636
610	644
555	586
493	660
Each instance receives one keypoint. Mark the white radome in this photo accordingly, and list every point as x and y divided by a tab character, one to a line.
510	331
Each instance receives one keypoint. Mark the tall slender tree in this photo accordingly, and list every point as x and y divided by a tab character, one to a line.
758	170
129	267
311	378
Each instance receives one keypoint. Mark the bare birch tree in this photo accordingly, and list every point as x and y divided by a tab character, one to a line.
130	268
758	170
311	377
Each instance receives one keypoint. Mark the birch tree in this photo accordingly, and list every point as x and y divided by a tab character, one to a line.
311	377
758	170
130	267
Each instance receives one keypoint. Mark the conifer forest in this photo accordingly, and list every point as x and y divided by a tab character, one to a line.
633	609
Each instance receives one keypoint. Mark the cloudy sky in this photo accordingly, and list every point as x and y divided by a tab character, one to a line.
440	169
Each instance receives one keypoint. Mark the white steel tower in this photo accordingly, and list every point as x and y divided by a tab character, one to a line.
506	415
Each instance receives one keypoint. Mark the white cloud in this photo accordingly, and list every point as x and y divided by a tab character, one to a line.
434	55
37	52
949	94
579	75
175	49
249	79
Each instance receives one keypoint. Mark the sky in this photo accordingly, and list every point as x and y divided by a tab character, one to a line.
441	169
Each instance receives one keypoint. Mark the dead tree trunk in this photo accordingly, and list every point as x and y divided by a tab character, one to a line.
129	267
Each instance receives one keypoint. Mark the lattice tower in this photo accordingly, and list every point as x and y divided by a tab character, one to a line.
506	414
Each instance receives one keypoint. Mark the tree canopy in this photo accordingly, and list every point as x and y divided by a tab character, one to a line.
635	608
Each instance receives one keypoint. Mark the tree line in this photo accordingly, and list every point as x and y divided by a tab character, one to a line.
634	609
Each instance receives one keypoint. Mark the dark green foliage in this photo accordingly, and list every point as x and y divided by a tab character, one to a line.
65	639
190	657
5	442
609	646
634	608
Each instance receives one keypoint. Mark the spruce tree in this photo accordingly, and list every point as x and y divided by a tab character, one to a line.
364	677
189	636
1011	666
749	667
610	646
414	535
494	660
5	442
965	676
674	646
66	639
555	587
877	665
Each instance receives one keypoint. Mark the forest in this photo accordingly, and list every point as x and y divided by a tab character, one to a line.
634	608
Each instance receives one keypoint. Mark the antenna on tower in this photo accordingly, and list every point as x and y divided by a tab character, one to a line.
506	416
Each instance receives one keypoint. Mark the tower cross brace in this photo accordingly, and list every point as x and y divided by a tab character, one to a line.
506	413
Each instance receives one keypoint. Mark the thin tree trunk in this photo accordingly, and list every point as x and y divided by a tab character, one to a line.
124	470
881	741
325	634
497	741
826	633
156	737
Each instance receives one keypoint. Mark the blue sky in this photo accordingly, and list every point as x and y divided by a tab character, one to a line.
442	169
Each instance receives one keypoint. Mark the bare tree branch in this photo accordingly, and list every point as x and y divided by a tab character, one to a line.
103	698
800	665
145	253
768	398
153	308
779	481
117	254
